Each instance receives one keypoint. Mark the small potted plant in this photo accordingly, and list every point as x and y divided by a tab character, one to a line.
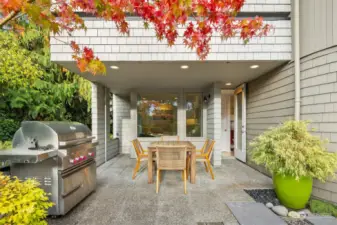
294	157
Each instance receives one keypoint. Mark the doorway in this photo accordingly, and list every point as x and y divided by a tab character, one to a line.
227	123
240	123
233	123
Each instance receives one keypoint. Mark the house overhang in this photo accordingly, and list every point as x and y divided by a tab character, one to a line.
169	75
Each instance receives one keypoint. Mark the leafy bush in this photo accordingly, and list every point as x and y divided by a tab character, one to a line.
5	145
323	208
8	128
290	149
22	202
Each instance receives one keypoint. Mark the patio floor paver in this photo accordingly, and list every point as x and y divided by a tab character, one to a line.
120	200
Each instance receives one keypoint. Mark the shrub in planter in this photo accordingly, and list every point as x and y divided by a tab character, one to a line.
22	202
294	157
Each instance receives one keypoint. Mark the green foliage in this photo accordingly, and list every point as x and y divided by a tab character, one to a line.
5	145
34	88
22	202
323	208
8	128
290	149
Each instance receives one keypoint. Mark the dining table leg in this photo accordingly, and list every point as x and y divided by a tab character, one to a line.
149	168
193	166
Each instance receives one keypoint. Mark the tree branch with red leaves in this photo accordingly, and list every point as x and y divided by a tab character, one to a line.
200	19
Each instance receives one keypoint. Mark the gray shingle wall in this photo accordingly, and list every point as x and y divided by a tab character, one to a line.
214	122
319	104
142	44
270	100
113	148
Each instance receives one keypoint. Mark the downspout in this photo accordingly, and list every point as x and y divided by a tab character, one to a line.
297	59
105	125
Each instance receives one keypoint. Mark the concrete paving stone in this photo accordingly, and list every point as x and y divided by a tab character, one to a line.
321	220
252	213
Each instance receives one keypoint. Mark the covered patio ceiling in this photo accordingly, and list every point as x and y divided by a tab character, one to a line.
159	75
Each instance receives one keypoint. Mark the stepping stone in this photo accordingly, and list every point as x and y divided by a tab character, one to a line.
321	220
253	213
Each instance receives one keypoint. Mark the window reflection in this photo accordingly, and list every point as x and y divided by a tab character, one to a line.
193	114
157	115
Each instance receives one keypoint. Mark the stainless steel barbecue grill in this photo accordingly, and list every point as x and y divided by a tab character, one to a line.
60	155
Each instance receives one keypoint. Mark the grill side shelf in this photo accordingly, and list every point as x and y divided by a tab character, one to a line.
26	156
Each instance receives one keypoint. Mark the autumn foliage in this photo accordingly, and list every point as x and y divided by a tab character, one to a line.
199	18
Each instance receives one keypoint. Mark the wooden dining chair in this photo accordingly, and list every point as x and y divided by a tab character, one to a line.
169	138
141	156
204	157
143	151
202	150
171	158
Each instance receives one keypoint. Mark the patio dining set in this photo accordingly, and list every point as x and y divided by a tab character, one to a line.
173	154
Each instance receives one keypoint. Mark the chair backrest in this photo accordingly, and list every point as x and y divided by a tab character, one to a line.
169	138
136	147
210	148
140	146
205	146
171	158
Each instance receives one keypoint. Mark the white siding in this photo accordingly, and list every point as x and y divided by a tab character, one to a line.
121	117
106	148
142	44
214	121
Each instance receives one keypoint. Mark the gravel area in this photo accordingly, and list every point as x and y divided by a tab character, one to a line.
263	195
295	221
268	195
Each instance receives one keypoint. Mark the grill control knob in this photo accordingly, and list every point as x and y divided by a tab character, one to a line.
91	154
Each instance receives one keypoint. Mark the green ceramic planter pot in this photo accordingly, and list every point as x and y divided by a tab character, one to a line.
292	193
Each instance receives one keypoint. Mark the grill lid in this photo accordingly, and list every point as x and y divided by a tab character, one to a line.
36	135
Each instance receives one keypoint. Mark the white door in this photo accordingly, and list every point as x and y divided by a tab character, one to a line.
240	123
225	121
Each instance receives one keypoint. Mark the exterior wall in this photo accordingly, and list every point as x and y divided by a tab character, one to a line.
113	148
319	104
267	6
121	123
214	122
106	148
270	100
318	22
142	45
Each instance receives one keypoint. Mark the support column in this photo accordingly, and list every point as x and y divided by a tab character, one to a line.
100	119
214	121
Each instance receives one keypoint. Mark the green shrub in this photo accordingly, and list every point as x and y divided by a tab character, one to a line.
323	208
8	128
22	202
5	145
290	149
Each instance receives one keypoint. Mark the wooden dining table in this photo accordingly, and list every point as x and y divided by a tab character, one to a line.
189	147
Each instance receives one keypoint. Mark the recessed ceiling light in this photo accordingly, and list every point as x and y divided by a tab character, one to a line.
254	66
114	67
184	67
228	84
